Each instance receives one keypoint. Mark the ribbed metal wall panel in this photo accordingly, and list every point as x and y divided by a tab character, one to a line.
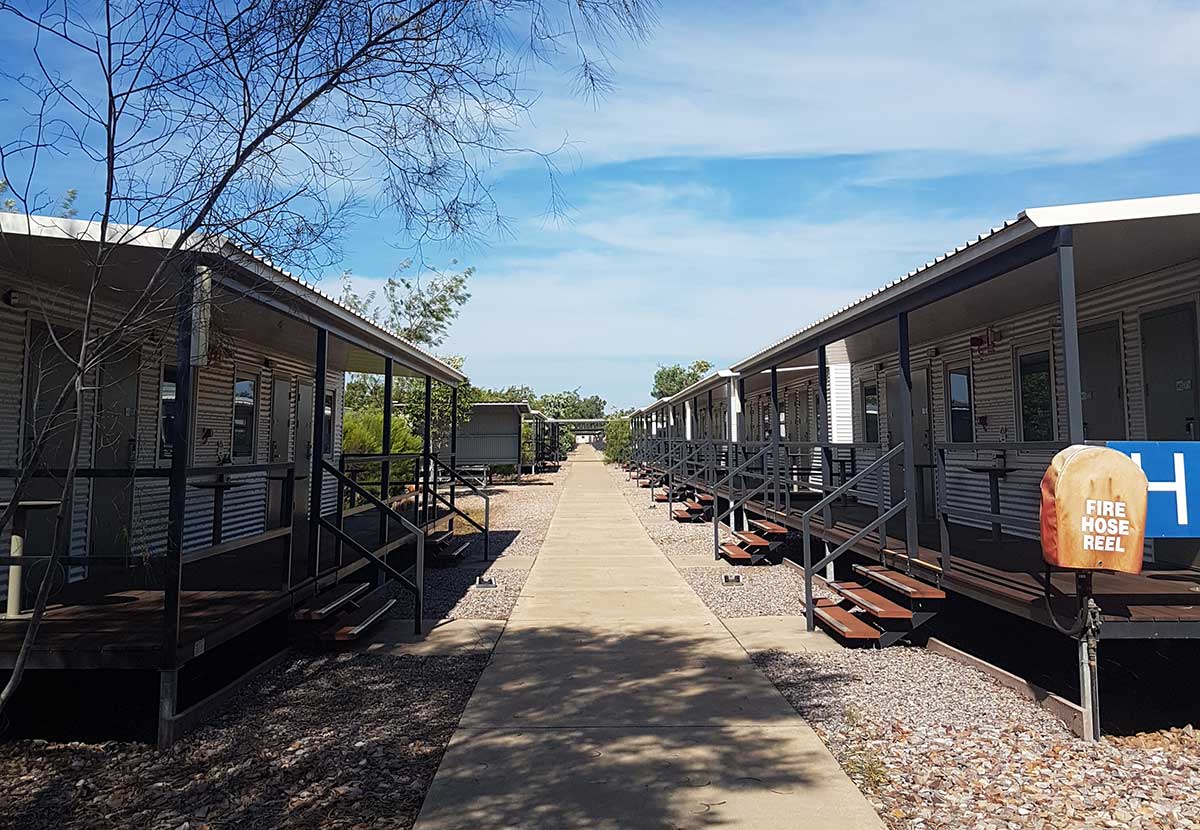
244	507
993	378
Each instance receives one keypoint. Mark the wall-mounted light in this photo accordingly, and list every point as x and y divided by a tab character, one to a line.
15	299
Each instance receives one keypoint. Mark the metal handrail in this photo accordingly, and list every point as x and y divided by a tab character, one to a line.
485	529
688	454
848	484
734	502
879	522
417	584
379	456
966	446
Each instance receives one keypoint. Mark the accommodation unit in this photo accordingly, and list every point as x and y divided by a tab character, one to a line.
210	499
492	435
961	380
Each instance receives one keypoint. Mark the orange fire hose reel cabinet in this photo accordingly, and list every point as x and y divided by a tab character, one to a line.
1093	513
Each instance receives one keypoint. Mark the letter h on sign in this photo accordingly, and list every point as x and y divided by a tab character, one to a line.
1173	471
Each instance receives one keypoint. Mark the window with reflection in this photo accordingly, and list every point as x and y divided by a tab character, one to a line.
327	425
959	405
245	412
166	412
870	410
1035	388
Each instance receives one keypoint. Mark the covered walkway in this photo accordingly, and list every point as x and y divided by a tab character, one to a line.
616	699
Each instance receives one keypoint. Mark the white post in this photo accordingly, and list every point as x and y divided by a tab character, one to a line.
735	410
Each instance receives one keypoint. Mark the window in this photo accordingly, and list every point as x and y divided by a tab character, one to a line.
166	412
960	421
245	414
870	409
1035	389
327	425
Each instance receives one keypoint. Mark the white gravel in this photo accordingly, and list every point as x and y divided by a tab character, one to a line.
332	742
449	595
766	591
675	539
520	513
520	518
935	744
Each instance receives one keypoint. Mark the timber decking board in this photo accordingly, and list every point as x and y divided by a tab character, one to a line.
1010	574
125	627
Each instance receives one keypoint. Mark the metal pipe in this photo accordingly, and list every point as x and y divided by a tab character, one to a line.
1065	264
906	428
317	473
385	469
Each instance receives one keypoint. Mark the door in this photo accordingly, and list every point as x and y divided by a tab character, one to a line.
1169	374
303	458
1101	382
115	448
922	436
47	374
281	418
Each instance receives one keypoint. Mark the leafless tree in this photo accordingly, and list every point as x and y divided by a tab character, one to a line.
264	124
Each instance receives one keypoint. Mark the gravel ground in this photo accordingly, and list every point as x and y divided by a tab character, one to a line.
673	538
935	744
521	513
449	595
767	591
347	741
520	518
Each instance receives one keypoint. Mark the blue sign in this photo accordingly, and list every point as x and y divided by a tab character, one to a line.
1173	470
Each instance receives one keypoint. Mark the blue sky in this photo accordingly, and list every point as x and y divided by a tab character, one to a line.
757	168
759	164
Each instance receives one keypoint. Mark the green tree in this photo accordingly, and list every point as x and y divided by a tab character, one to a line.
671	380
418	309
618	442
421	313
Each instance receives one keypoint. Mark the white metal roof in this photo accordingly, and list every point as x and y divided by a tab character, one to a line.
521	406
708	381
1027	223
80	230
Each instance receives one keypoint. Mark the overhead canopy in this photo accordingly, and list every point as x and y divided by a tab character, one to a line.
1112	241
276	308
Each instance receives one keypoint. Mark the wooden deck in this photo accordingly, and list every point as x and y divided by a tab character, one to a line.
124	629
1162	602
115	620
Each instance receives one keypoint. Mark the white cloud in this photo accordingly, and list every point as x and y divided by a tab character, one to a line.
1068	81
648	273
651	274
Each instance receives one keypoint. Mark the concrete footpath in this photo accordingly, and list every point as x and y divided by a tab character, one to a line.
616	699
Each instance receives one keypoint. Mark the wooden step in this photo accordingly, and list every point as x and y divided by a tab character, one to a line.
683	515
661	497
876	605
438	537
694	506
735	554
704	498
355	623
842	622
769	527
449	551
329	602
751	540
909	586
